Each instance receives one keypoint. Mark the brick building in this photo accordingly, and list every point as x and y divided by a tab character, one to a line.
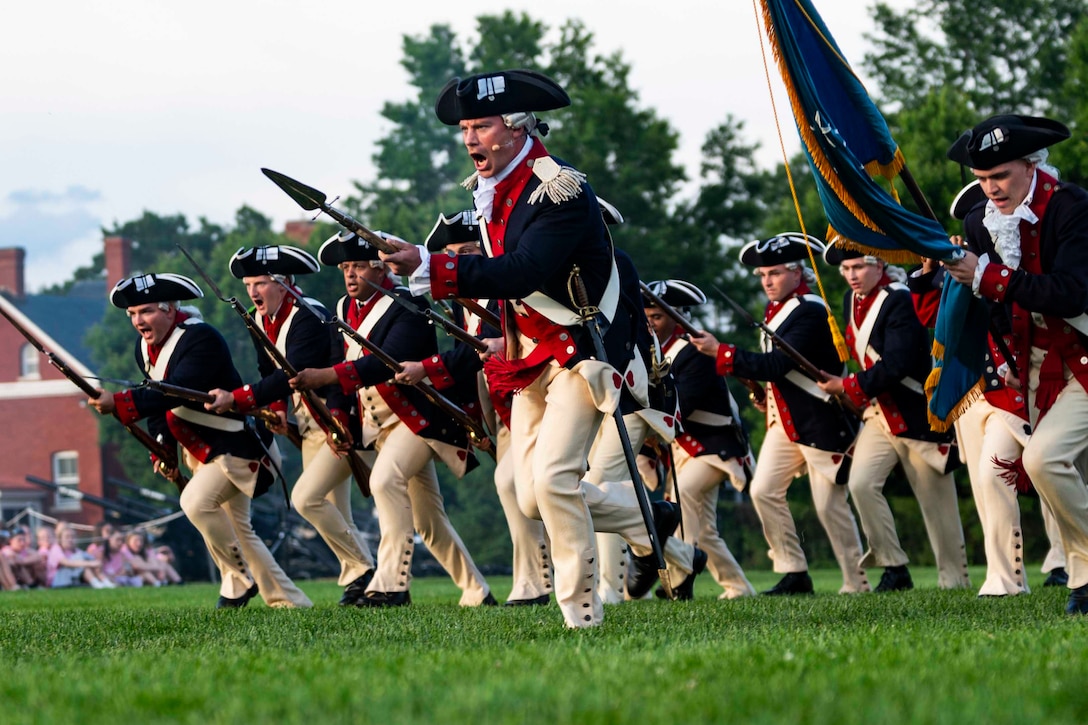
49	431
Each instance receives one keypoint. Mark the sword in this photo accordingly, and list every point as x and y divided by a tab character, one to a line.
476	433
359	470
591	320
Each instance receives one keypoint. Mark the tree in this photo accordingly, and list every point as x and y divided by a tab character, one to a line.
1003	55
626	151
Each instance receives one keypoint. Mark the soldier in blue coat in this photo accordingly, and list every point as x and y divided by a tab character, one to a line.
231	462
1027	257
544	239
891	346
322	494
807	432
400	430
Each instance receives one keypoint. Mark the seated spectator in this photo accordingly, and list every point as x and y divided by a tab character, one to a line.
46	537
147	564
166	557
67	565
115	566
102	532
27	565
7	577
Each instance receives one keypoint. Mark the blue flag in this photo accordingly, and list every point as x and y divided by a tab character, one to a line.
847	142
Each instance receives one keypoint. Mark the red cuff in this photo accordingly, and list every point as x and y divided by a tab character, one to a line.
437	371
244	400
995	282
125	407
443	276
348	376
725	359
278	406
854	391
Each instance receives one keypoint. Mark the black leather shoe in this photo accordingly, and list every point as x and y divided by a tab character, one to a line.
643	572
1057	578
685	592
356	590
796	582
895	579
489	601
1078	601
385	599
228	603
540	601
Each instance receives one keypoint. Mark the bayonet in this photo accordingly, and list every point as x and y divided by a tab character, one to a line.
311	199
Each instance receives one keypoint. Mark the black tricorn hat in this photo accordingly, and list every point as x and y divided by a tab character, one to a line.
273	259
457	229
346	247
835	254
966	200
143	289
779	249
496	94
676	292
1004	138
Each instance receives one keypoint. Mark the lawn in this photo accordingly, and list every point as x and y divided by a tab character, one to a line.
165	655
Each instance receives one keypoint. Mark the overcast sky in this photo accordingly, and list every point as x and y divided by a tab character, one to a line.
112	108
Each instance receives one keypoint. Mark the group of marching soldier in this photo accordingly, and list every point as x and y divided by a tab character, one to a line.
576	365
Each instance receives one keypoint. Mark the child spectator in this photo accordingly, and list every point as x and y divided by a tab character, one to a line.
7	577
147	564
45	538
69	566
102	532
27	565
115	566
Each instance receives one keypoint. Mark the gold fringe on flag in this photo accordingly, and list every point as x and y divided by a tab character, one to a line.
933	378
808	137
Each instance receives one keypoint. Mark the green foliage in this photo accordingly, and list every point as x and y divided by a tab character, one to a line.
1005	56
164	655
626	151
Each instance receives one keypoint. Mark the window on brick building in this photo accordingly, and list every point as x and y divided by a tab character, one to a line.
66	473
28	362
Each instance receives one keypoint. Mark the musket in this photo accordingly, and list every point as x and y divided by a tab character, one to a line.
268	417
167	460
486	316
755	390
590	318
450	327
803	363
476	432
313	401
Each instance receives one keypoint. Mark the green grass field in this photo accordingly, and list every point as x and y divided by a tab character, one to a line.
165	655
